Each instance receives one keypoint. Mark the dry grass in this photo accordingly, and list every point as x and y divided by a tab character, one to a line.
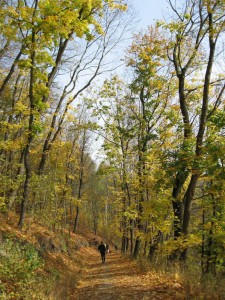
196	287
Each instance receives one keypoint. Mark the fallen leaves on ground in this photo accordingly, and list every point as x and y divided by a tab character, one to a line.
120	278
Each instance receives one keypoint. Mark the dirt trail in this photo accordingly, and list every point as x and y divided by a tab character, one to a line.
121	279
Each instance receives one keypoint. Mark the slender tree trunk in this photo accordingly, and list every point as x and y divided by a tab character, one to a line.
137	247
140	208
81	175
95	226
154	246
76	219
203	243
25	187
181	175
124	229
30	137
131	237
211	251
152	250
13	192
177	203
123	246
145	248
187	209
27	167
4	48
6	80
200	136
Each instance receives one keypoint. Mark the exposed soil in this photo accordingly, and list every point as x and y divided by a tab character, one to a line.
120	278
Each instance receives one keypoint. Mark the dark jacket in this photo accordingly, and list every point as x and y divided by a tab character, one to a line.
102	248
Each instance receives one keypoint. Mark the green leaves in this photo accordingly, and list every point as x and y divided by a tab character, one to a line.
19	263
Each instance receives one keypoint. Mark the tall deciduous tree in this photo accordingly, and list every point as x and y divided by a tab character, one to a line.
42	33
196	33
150	87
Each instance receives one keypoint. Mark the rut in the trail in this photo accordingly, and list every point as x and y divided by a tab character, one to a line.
119	279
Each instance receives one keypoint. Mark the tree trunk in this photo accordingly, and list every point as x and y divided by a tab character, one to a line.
203	243
131	237
152	251
187	210
13	192
27	173
123	246
211	251
81	175
30	137
76	219
6	80
95	225
137	247
177	203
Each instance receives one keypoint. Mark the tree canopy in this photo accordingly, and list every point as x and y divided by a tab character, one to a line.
157	188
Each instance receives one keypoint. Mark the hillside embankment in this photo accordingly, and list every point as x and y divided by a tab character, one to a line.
37	263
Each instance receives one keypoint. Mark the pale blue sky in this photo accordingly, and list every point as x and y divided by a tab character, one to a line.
149	10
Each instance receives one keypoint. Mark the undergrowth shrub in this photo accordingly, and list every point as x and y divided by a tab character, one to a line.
20	266
207	287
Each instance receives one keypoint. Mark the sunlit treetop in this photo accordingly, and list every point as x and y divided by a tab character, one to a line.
54	18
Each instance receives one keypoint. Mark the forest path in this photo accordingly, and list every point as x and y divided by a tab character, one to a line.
121	279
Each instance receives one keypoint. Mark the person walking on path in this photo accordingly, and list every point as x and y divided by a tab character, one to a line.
102	250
